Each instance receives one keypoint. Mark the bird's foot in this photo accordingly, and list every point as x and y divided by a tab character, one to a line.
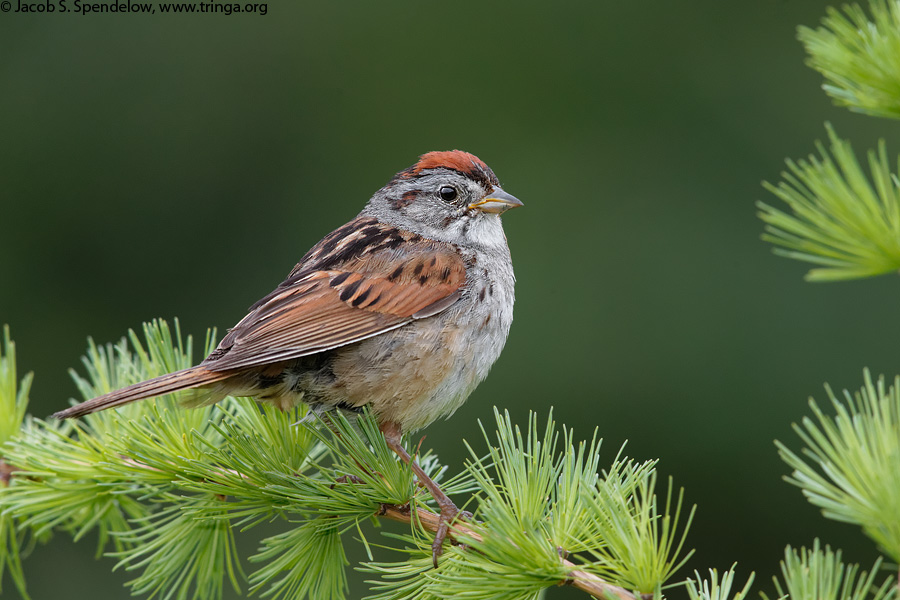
449	514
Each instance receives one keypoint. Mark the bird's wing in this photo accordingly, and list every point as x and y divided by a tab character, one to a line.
328	303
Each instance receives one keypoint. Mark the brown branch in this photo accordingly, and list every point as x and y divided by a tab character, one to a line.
586	582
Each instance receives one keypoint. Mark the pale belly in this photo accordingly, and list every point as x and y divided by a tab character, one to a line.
421	372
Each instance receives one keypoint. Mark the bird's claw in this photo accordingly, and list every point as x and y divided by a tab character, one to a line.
449	514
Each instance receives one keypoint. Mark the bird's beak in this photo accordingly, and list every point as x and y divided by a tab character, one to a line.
497	202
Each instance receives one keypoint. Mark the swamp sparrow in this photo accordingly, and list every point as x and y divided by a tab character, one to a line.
404	309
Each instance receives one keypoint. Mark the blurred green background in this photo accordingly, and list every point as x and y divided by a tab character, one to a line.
160	166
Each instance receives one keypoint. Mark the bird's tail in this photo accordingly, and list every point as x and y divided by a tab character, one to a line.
180	380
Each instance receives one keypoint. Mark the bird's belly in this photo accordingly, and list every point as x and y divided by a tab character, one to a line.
420	372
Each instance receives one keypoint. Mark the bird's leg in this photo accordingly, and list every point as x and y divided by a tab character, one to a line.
449	511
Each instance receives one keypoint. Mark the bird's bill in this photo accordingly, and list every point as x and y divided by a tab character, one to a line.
497	202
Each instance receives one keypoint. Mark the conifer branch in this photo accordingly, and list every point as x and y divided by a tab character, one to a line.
165	489
430	521
586	582
848	223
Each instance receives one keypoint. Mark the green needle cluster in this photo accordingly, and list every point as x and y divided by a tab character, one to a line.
819	574
13	404
716	588
848	223
541	500
850	466
859	57
839	218
169	490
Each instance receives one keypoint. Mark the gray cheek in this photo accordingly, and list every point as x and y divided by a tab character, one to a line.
458	226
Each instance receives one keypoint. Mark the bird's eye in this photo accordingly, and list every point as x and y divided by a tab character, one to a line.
448	193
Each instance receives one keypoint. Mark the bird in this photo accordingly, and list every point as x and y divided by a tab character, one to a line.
403	310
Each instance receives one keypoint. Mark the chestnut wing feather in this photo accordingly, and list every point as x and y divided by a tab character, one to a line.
324	309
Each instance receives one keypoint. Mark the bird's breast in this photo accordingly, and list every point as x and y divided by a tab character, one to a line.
425	370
